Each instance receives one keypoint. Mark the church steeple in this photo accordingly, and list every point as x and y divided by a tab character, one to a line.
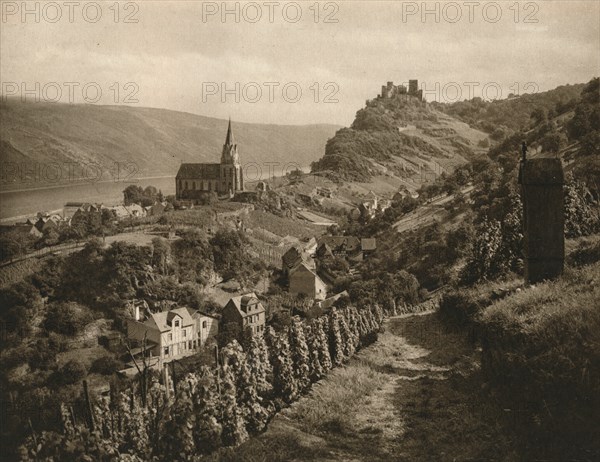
229	139
230	154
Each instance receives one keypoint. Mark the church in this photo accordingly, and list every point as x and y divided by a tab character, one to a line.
194	180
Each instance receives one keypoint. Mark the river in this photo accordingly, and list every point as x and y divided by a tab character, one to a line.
18	204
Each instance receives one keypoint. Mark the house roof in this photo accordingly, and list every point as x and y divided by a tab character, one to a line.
351	243
368	243
328	302
292	257
193	313
199	171
243	300
162	319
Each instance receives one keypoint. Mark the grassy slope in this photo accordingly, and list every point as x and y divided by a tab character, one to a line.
157	140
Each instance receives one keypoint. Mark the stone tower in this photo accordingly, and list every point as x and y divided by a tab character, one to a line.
543	217
231	170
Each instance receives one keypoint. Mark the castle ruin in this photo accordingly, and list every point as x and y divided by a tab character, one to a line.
390	90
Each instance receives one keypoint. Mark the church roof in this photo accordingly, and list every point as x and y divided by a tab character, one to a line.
199	171
229	139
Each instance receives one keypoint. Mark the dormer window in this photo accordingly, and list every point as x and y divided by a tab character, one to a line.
177	323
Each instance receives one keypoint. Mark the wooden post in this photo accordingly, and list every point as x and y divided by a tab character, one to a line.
543	218
88	406
218	369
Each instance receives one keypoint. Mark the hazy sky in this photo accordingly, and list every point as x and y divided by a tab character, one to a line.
186	56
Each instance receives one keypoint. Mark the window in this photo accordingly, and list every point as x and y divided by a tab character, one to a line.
166	352
190	345
170	336
184	333
204	324
177	323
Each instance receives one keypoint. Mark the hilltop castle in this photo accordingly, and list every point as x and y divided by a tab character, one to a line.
193	180
390	90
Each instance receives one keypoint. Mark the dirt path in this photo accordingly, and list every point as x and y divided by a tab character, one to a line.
415	395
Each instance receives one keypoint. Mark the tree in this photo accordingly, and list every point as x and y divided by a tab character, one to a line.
161	254
67	318
132	194
229	252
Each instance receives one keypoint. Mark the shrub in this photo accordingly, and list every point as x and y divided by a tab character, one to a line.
72	372
587	252
106	365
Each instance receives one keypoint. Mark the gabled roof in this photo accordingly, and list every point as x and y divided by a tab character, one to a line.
195	313
304	267
351	243
292	257
241	301
199	171
163	319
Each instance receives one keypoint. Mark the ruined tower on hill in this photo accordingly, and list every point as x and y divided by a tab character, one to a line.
391	91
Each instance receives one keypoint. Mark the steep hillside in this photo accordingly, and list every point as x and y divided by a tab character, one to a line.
504	116
400	137
156	140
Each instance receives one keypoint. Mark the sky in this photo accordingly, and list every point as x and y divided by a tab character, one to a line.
285	62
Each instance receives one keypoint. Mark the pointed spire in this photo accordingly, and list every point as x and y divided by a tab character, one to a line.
229	140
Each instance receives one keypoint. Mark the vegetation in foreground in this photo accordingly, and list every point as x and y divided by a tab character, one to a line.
540	353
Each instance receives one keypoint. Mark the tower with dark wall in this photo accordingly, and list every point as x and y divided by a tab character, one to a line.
543	217
413	87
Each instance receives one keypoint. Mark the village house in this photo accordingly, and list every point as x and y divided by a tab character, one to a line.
327	303
351	248
72	209
304	281
172	334
157	208
246	311
48	221
295	256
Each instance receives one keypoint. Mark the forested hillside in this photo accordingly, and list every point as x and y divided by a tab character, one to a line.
503	116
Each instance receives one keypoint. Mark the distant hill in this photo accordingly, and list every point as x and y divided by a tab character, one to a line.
403	138
156	140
